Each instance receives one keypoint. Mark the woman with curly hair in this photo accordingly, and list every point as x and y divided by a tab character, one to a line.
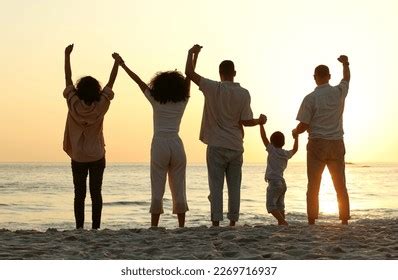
168	93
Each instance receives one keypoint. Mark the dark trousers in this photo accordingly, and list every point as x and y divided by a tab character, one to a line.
80	170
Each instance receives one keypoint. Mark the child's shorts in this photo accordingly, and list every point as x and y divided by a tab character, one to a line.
276	195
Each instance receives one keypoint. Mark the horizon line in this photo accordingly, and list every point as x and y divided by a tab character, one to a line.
194	162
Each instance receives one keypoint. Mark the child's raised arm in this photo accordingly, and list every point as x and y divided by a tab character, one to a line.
295	145
68	69
264	137
143	86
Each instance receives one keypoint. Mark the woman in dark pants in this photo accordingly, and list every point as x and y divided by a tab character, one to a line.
84	140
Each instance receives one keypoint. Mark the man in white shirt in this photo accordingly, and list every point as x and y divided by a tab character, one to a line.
321	114
226	109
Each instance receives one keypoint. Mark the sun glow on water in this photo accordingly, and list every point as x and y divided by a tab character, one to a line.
327	195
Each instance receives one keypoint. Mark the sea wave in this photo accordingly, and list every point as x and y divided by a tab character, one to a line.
125	203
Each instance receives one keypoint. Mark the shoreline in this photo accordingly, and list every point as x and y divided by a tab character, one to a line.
374	239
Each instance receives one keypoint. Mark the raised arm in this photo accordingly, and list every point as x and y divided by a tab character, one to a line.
193	54
346	67
68	69
143	86
295	145
113	74
264	135
187	79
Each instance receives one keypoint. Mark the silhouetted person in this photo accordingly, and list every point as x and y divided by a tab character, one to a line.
321	114
168	93
227	106
276	163
84	140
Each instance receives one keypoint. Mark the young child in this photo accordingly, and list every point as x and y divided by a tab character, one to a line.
83	140
276	164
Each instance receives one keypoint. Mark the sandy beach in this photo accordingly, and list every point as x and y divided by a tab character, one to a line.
363	239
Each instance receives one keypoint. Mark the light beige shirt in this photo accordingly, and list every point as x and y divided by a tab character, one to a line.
226	103
276	162
166	117
323	110
83	138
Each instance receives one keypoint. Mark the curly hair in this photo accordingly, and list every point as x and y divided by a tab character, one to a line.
169	86
88	89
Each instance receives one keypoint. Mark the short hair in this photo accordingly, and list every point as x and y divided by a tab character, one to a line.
322	71
88	89
278	139
169	86
227	67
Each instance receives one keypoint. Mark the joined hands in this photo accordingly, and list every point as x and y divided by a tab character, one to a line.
195	49
118	58
69	49
262	119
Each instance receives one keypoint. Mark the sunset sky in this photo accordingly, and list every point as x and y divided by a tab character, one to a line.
275	46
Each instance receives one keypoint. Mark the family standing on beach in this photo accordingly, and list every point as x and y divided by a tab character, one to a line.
226	110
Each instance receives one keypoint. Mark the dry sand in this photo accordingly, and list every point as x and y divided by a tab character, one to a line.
364	239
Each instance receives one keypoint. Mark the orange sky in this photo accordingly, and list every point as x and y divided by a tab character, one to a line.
275	47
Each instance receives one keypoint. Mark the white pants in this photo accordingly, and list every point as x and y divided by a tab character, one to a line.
168	157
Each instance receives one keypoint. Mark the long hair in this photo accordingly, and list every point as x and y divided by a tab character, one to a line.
169	86
88	89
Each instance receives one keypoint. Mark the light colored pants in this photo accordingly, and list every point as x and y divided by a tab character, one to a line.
168	158
330	153
222	162
276	195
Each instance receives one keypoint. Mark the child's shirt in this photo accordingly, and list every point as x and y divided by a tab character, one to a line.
276	162
83	138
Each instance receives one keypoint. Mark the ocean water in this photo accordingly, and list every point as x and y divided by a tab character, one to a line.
40	196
